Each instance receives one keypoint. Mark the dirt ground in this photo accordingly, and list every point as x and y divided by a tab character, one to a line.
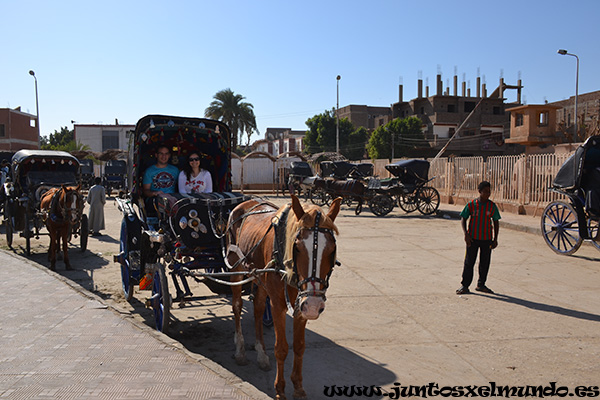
392	315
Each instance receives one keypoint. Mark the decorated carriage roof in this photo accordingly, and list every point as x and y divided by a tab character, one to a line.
183	135
587	156
34	167
414	168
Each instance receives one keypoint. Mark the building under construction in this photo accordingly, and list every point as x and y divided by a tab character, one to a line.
480	119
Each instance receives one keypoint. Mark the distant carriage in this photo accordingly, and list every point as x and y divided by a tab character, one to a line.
87	173
34	172
115	175
410	186
567	224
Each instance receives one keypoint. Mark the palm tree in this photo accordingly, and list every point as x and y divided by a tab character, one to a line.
229	108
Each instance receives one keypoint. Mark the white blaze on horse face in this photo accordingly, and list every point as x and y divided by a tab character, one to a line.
72	206
321	244
313	305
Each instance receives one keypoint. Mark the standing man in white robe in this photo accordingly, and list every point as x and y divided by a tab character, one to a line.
96	199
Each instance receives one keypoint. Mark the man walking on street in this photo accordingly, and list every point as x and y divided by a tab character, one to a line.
96	199
481	236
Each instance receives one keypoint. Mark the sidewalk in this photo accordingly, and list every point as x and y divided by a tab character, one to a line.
60	341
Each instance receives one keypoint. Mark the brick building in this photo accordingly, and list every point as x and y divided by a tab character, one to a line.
18	130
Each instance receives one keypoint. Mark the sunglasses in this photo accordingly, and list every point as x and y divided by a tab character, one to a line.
194	159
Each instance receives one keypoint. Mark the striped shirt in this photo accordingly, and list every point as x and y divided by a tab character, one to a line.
481	226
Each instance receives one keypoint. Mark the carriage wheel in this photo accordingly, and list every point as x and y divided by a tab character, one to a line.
408	202
560	228
126	279
428	200
320	197
8	223
161	300
593	229
84	231
381	204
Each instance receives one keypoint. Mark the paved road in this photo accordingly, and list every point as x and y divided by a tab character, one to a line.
392	315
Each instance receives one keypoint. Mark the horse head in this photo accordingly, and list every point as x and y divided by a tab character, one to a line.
71	203
312	247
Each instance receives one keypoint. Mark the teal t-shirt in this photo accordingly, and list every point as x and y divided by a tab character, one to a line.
161	179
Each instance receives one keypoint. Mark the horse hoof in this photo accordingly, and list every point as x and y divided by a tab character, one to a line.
264	367
241	360
280	397
300	394
68	267
53	268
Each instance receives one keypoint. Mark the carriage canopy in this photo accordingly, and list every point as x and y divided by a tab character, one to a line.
586	157
410	171
35	167
183	135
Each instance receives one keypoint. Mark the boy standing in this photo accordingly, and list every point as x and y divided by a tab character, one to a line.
481	236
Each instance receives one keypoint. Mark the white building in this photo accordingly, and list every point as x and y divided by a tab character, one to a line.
103	137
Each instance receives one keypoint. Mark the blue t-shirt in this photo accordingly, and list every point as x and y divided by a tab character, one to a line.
161	179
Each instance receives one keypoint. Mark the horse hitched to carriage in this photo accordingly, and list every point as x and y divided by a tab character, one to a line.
225	240
43	190
567	224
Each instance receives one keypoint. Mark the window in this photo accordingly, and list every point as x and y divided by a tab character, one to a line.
451	108
518	119
497	111
469	106
110	140
422	110
2	131
543	119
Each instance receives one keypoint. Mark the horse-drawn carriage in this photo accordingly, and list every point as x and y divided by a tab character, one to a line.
115	173
409	183
32	174
87	173
567	224
222	239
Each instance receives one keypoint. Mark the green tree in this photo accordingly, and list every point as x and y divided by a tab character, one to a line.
321	136
57	139
407	137
229	108
63	140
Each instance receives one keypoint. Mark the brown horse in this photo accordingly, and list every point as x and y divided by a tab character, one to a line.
61	207
300	244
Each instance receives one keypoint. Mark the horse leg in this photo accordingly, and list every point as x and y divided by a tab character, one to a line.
65	246
237	303
52	250
260	298
281	346
299	346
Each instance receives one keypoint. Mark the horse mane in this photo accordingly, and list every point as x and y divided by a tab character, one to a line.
292	226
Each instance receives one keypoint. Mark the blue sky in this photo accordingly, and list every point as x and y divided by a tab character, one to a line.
100	61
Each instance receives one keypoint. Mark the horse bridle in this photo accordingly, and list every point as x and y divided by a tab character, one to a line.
66	210
313	278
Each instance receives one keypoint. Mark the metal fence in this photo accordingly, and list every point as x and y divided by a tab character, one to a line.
521	180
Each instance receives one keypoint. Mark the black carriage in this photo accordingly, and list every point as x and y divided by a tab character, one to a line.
183	239
301	178
354	183
87	173
410	178
567	224
32	173
115	173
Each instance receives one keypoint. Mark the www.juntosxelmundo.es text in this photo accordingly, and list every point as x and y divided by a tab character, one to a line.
432	389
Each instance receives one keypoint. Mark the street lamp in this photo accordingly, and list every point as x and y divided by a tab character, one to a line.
564	53
337	117
37	108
